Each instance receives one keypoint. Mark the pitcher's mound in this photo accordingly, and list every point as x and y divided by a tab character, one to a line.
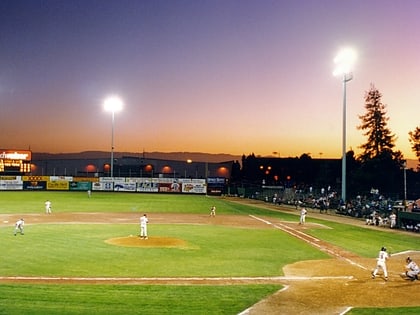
154	241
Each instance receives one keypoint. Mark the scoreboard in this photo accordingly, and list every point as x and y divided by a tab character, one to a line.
15	161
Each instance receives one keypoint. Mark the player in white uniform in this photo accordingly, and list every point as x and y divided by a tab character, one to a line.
412	270
393	220
381	263
47	207
19	226
213	211
143	226
303	213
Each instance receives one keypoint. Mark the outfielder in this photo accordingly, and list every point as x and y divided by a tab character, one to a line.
19	226
381	263
412	270
143	226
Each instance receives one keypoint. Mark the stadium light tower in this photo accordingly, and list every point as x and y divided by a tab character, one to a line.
113	104
344	62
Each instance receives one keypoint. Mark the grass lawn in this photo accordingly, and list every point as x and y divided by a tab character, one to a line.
129	299
353	238
212	251
385	311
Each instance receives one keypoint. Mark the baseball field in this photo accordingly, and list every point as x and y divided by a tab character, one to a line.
252	258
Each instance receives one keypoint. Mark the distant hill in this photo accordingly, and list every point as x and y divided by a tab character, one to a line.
177	156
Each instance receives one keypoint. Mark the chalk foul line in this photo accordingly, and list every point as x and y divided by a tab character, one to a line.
308	239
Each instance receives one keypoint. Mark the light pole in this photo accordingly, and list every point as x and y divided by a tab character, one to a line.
113	104
344	63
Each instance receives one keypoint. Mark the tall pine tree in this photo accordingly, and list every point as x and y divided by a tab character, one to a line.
380	164
374	123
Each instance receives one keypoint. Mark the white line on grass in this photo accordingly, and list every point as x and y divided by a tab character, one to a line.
287	229
307	238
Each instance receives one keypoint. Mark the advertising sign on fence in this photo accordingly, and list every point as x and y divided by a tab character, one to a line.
118	184
103	186
58	185
81	186
123	186
34	185
148	185
11	183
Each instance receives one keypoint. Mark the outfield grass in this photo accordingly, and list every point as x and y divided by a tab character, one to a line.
212	251
33	202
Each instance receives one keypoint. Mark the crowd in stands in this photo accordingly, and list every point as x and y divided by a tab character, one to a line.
374	208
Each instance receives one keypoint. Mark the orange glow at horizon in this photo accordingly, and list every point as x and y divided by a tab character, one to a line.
222	82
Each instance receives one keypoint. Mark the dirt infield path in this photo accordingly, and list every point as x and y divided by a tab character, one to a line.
333	286
311	287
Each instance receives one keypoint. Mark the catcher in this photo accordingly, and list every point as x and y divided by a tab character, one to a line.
412	270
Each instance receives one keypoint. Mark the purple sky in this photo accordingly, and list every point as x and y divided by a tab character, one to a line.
203	76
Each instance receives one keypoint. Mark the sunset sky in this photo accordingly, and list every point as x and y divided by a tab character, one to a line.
215	76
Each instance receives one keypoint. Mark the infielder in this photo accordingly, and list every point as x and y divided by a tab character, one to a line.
143	226
412	270
19	226
47	207
381	263
213	211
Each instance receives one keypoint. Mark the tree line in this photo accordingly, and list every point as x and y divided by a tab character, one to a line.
379	166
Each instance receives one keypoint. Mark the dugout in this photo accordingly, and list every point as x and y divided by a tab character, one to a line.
405	218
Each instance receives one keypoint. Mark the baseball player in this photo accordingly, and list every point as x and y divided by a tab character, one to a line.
143	226
393	220
48	207
381	263
412	270
19	226
213	211
303	213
